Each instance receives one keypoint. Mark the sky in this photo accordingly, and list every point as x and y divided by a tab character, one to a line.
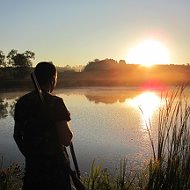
75	32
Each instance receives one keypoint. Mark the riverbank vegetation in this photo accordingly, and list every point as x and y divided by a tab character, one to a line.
15	69
168	169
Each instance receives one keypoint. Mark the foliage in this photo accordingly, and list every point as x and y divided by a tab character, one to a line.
17	65
10	178
2	59
20	60
10	57
100	179
170	168
23	60
15	59
101	65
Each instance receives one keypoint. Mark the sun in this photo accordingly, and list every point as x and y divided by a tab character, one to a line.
148	53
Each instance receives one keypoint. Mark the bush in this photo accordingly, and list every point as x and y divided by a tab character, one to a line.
11	177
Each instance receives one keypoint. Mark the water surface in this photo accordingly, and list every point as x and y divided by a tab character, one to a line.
108	125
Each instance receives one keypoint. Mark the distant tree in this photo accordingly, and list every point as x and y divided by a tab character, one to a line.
122	62
29	54
96	60
10	56
2	59
21	62
100	65
91	66
24	59
16	59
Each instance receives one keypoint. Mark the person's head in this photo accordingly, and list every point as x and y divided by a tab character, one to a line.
46	75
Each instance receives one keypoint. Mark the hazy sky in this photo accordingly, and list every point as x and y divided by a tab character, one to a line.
75	32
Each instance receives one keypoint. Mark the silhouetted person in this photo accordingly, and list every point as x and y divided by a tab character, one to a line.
42	132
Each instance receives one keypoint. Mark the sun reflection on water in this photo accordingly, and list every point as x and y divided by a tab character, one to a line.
148	102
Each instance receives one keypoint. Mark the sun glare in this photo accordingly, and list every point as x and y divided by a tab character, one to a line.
148	53
148	102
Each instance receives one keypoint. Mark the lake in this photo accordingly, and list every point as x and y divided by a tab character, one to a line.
107	123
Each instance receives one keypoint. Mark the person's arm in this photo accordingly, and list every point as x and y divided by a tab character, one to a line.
18	137
64	133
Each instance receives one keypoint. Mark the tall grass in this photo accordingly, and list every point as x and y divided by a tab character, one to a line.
100	179
170	168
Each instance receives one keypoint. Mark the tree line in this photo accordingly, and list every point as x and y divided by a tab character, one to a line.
15	59
105	64
15	68
15	65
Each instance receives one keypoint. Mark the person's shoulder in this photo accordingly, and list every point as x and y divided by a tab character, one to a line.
59	108
25	98
54	98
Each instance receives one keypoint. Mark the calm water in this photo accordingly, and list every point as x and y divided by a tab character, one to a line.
107	124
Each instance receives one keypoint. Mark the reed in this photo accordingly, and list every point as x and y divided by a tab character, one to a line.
101	179
97	178
170	167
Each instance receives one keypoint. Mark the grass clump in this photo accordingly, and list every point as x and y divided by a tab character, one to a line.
170	167
101	179
11	177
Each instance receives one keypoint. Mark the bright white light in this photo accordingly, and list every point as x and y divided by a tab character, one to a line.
148	53
148	102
